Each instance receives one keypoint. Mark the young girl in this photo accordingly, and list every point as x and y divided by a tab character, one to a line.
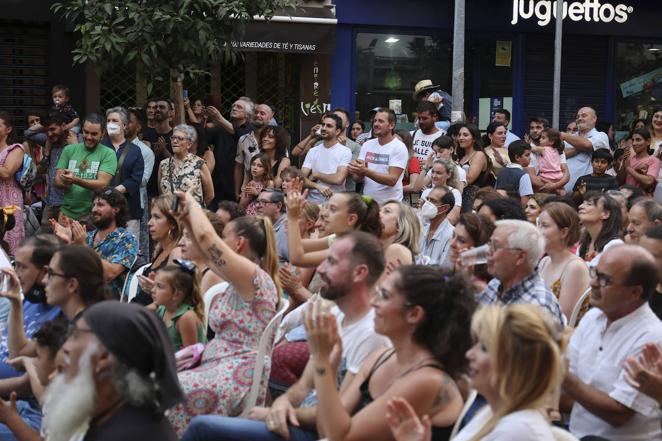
549	156
178	303
261	178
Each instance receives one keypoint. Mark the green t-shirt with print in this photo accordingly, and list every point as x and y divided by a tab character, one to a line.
85	164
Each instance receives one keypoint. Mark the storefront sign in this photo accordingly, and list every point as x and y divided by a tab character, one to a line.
588	10
302	38
314	90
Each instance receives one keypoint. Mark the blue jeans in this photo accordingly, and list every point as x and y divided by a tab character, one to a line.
219	428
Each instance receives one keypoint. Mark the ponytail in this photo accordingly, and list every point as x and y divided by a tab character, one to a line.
367	211
188	282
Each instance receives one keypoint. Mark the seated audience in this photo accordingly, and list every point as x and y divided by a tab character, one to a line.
600	215
643	215
652	241
503	208
437	229
191	251
533	206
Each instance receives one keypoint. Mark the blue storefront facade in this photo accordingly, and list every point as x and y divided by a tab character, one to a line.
612	56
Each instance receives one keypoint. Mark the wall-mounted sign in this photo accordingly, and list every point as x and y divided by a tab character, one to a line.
587	10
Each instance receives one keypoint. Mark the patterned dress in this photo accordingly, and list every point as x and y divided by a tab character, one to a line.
12	194
182	177
222	381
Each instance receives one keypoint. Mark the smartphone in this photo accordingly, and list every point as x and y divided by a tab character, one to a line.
185	93
175	205
4	282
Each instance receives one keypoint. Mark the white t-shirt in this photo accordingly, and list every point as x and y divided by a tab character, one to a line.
523	425
359	339
422	143
325	160
379	158
510	137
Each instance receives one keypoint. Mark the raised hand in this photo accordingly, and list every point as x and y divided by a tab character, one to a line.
405	424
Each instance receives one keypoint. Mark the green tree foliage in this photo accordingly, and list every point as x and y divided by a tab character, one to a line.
185	36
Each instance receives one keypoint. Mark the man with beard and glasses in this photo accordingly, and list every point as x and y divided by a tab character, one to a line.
30	311
118	378
349	274
115	245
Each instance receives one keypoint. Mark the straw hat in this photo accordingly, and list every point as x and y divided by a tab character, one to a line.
422	86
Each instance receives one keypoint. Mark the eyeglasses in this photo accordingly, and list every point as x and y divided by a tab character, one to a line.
50	274
603	279
186	265
178	138
493	248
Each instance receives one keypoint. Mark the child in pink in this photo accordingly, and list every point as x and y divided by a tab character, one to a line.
549	155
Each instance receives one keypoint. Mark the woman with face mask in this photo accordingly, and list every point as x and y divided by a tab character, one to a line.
130	165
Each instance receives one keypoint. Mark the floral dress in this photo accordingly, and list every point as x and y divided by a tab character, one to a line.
12	194
182	177
221	383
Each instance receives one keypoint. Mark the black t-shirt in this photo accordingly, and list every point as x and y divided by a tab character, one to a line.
150	135
655	302
597	183
132	424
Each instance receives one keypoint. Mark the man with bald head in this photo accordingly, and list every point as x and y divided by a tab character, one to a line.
617	327
579	148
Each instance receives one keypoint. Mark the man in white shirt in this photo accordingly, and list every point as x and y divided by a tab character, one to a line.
427	132
503	116
350	272
381	161
617	327
325	166
579	148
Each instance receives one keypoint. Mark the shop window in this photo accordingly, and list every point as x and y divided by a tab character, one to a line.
388	66
638	82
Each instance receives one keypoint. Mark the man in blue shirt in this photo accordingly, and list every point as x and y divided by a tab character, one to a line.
28	315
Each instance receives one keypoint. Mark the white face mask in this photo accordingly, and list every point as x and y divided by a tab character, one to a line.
428	211
113	129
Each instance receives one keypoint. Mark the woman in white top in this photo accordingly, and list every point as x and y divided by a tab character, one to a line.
497	150
601	217
516	363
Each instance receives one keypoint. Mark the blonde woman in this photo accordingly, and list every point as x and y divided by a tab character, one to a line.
516	364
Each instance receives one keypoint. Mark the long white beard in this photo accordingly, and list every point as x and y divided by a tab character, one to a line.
68	406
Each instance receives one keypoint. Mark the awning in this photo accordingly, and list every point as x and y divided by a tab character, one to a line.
303	30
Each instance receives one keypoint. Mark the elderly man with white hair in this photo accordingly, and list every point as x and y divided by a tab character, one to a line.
515	248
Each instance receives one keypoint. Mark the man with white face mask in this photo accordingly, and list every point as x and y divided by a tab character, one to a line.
118	378
130	165
437	230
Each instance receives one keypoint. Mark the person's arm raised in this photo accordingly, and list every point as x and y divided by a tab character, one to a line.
224	261
295	202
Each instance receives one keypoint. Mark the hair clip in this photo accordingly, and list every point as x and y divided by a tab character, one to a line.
367	199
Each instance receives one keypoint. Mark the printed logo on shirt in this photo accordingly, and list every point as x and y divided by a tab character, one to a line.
84	170
422	148
377	158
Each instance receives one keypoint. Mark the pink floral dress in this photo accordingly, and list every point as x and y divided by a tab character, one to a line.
12	194
222	381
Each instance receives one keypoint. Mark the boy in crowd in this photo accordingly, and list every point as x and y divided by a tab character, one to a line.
599	180
513	180
22	418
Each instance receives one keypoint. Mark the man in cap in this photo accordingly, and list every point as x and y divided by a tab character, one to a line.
118	377
425	90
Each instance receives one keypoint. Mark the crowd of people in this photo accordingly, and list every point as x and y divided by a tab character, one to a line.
431	284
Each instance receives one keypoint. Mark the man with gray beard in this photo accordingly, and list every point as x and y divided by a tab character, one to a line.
118	378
